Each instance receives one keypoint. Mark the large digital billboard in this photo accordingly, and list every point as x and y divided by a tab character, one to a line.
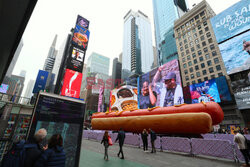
71	83
82	22
80	37
4	88
225	95
76	59
161	86
41	80
231	21
205	91
241	89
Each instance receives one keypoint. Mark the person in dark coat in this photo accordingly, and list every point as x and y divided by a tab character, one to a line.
153	138
121	137
144	136
54	156
105	141
34	152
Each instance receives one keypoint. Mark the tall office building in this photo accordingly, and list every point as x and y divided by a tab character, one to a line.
165	13
50	60
199	54
98	64
23	73
137	55
116	72
29	88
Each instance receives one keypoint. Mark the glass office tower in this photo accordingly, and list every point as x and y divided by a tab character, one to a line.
165	13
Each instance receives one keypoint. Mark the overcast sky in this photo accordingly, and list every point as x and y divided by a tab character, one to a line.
51	17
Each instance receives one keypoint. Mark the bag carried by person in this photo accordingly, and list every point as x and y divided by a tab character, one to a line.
247	143
16	155
110	141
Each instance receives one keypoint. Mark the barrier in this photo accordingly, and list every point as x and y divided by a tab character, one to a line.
176	144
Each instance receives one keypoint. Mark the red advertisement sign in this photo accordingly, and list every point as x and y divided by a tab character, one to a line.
71	84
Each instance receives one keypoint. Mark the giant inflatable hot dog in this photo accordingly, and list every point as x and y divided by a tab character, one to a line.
182	119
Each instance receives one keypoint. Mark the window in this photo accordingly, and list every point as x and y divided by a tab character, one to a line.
192	49
207	56
202	65
180	43
196	17
193	82
191	44
196	41
192	76
179	38
196	67
198	21
193	55
186	46
198	74
199	27
187	51
212	47
205	23
210	40
182	54
195	61
218	67
184	36
190	63
206	78
202	13
205	50
216	60
185	71
188	57
199	52
214	53
211	69
206	28
181	48
202	37
182	27
199	80
204	72
192	20
204	18
194	30
186	78
191	69
185	65
189	33
185	41
183	59
209	62
198	46
201	59
212	76
188	83
200	32
220	74
203	43
190	38
195	35
208	34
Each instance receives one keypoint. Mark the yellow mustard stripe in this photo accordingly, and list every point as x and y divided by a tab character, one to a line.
179	105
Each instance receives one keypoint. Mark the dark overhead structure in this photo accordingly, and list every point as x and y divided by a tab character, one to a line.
14	16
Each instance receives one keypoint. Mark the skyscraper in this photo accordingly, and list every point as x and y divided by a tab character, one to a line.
137	56
98	64
116	72
165	13
50	60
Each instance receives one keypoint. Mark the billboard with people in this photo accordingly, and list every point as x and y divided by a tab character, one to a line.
81	21
161	86
205	92
76	59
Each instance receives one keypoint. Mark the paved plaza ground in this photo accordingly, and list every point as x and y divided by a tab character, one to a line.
92	156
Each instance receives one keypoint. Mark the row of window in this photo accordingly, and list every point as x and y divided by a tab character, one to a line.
205	79
204	72
209	63
207	56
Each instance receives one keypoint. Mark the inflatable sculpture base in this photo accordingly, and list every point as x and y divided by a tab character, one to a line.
181	119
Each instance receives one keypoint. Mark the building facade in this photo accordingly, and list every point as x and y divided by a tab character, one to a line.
50	60
116	72
165	13
198	51
137	55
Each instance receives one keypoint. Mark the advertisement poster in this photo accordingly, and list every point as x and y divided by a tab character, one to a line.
236	53
81	21
80	37
161	86
241	89
41	80
231	21
206	91
225	95
71	83
76	59
4	88
101	91
123	98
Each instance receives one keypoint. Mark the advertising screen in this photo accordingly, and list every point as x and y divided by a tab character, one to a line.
223	89
241	89
206	91
236	53
80	37
61	115
231	21
76	59
41	80
71	83
4	88
101	91
81	21
161	86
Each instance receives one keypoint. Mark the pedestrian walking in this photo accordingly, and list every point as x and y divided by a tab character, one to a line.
153	138
105	141
144	136
54	156
121	137
241	142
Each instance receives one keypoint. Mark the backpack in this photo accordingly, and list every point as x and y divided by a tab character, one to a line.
247	142
16	155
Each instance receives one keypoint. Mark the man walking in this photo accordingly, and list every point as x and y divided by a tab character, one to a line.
241	141
121	136
153	138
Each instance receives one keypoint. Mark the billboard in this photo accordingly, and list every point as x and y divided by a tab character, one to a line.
80	37
205	91
161	86
231	21
225	95
71	83
235	55
81	21
4	88
241	89
76	59
101	91
41	80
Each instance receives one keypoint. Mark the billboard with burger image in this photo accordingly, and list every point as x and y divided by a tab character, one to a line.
80	37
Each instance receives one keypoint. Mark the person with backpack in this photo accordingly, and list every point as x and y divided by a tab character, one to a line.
54	156
153	138
121	137
105	141
25	154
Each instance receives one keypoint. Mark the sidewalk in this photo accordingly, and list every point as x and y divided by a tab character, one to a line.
92	156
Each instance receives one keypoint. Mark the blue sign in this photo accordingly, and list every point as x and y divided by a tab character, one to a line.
40	81
232	21
223	89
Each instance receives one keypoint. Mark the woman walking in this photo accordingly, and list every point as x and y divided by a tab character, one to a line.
105	141
144	136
